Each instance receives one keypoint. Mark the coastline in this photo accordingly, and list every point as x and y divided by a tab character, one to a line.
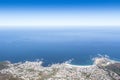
103	68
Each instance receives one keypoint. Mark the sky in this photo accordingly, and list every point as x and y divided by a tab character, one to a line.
59	13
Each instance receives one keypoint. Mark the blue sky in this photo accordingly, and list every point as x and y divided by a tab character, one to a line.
52	13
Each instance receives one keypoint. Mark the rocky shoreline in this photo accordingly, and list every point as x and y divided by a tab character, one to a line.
102	69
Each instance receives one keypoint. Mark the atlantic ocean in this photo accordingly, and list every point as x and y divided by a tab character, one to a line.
59	45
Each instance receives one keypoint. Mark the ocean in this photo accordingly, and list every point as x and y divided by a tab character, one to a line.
59	45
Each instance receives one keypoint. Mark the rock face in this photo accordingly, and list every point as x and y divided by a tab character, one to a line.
114	67
4	65
103	69
113	70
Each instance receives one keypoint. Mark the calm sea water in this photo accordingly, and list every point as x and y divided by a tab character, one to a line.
59	45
